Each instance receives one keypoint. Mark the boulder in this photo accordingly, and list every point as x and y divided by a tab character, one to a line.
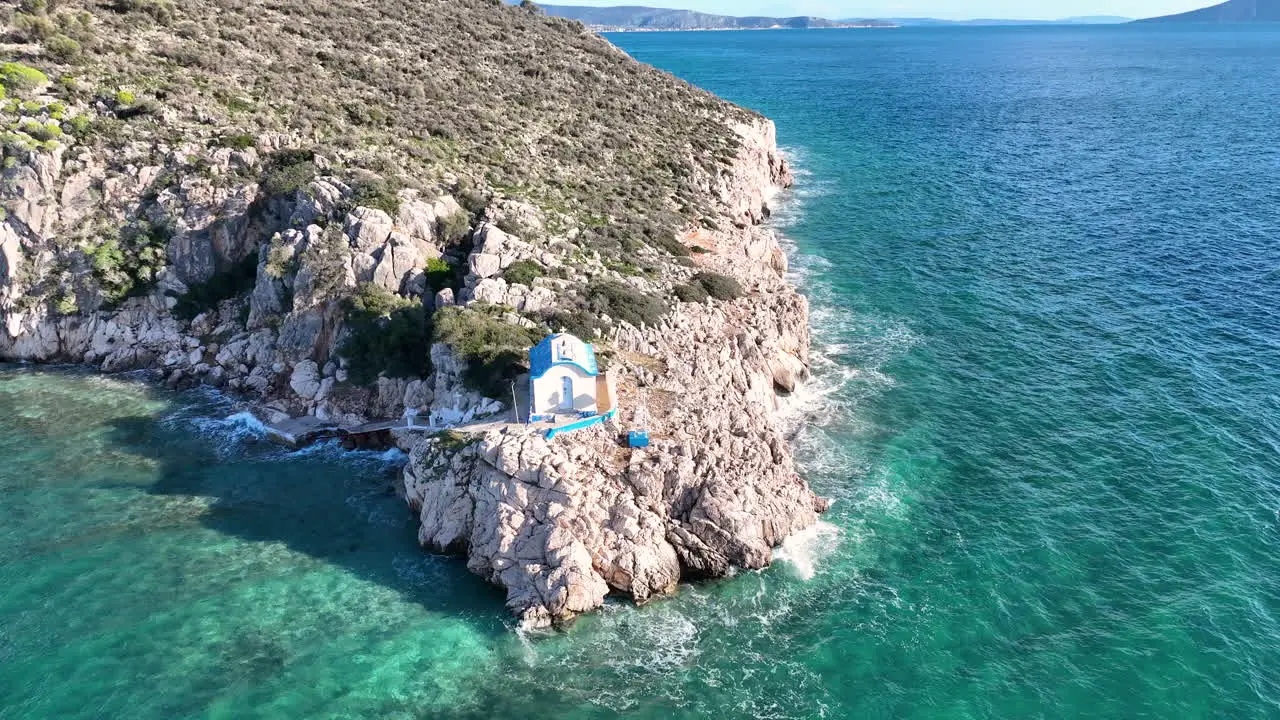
484	265
368	228
305	380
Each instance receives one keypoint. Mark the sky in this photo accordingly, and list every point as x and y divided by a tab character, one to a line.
948	9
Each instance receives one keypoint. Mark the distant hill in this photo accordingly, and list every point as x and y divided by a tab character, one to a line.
988	22
1234	11
634	17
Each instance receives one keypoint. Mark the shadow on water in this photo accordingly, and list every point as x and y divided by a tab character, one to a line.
342	510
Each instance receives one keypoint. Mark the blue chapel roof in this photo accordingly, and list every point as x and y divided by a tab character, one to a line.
562	349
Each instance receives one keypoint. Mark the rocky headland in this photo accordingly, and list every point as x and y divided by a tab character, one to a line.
381	208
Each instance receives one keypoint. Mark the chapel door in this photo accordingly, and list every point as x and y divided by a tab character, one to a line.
566	394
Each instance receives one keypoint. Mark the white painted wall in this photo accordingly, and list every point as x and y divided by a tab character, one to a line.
547	391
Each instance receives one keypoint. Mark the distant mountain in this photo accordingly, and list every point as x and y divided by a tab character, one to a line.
648	18
988	22
1234	11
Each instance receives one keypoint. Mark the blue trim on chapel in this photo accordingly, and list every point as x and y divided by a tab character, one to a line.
545	355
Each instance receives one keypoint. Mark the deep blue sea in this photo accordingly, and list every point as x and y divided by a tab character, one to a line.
1045	271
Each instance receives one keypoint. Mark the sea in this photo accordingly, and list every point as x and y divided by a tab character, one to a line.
1044	267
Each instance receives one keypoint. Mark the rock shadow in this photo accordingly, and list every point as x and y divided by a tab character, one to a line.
345	513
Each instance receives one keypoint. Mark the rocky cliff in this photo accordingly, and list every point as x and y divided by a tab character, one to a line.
353	208
561	524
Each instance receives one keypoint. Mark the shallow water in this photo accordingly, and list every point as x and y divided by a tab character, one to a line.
1044	266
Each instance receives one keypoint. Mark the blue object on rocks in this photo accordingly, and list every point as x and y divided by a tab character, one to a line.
638	438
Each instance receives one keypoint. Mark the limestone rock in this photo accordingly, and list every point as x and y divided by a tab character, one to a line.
561	524
305	379
368	228
444	298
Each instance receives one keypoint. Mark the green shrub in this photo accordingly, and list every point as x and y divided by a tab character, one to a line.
232	282
62	48
514	227
622	302
455	228
40	131
375	300
65	304
33	27
21	79
720	287
160	10
127	265
387	335
125	98
522	272
146	106
667	241
107	259
579	322
79	126
691	293
453	441
288	171
69	87
372	191
280	259
241	141
440	274
328	261
494	350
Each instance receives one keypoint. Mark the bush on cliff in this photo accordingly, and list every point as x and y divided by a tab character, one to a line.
288	171
720	287
440	274
522	272
494	350
691	293
372	191
579	322
455	228
21	79
623	302
128	263
62	48
387	334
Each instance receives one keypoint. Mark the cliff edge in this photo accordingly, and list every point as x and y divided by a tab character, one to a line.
560	524
353	209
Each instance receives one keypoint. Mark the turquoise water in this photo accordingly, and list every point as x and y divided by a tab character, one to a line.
1045	266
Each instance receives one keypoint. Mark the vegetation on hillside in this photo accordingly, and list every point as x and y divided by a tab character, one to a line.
496	105
412	91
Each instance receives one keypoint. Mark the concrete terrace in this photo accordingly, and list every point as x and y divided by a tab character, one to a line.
302	431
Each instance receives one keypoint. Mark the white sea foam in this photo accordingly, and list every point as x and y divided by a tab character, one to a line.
804	550
248	422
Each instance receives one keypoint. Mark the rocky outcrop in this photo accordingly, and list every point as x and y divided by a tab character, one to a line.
279	343
289	247
560	524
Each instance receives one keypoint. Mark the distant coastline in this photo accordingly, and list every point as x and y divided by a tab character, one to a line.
637	18
625	29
